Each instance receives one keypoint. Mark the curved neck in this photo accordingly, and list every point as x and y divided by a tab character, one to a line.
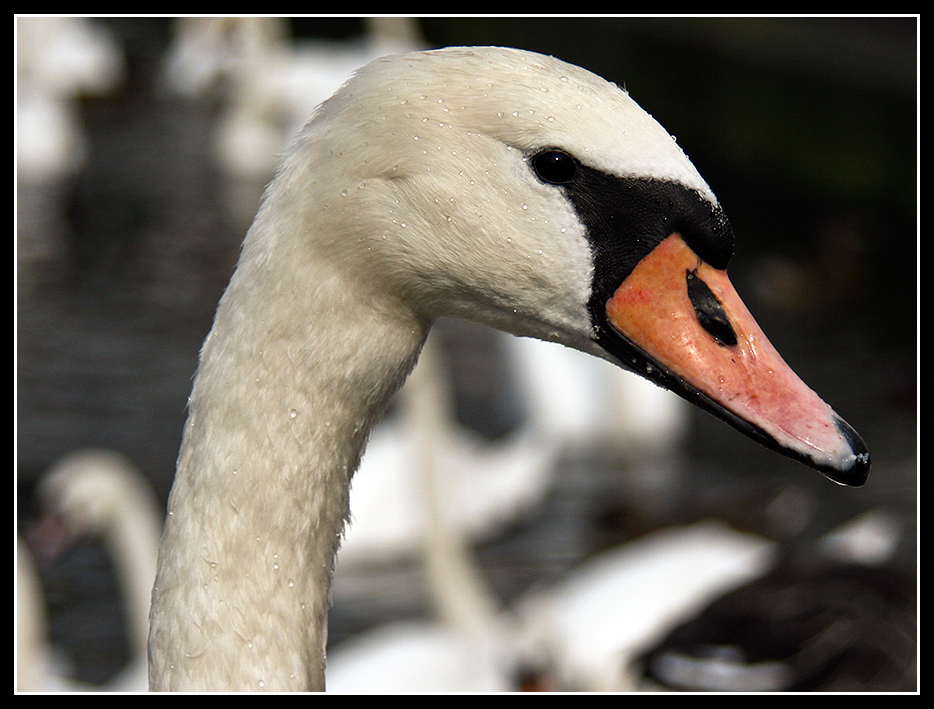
461	596
292	376
134	541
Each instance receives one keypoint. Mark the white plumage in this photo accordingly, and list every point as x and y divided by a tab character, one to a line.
409	196
99	493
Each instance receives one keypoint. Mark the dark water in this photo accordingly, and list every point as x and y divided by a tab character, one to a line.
120	268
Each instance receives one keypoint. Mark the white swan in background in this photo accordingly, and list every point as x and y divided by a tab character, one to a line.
836	615
32	666
572	404
483	485
594	627
494	184
463	647
269	82
38	667
582	406
98	492
59	60
590	626
489	486
417	502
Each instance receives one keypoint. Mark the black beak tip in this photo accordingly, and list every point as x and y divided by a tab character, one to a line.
857	472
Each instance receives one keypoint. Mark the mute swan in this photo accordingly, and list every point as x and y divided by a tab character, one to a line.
462	648
493	184
836	615
657	599
270	82
484	485
100	492
591	625
59	60
30	623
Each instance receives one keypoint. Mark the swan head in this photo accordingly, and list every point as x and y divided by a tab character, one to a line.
520	191
82	494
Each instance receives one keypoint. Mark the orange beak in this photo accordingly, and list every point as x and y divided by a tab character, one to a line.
686	320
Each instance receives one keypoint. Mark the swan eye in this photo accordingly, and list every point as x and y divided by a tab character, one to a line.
554	166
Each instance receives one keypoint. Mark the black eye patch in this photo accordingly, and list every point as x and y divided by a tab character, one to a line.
709	311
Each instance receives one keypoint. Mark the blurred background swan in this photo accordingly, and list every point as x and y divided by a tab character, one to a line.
459	645
446	494
96	493
705	607
109	321
268	83
837	615
59	60
569	404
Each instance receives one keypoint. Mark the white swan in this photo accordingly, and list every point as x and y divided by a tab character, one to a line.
485	485
592	624
835	615
597	624
99	492
31	624
463	648
269	82
493	184
59	60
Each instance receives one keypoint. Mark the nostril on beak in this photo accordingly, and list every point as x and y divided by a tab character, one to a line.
709	311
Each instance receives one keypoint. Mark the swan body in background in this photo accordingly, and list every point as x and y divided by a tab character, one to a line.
704	607
838	615
584	406
269	82
571	403
583	403
592	624
493	184
419	657
482	486
31	624
489	485
59	60
463	647
39	667
99	492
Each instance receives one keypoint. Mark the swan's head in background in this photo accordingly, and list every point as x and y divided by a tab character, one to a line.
86	493
529	194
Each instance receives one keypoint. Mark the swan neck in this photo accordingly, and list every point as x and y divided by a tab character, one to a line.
278	418
135	542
